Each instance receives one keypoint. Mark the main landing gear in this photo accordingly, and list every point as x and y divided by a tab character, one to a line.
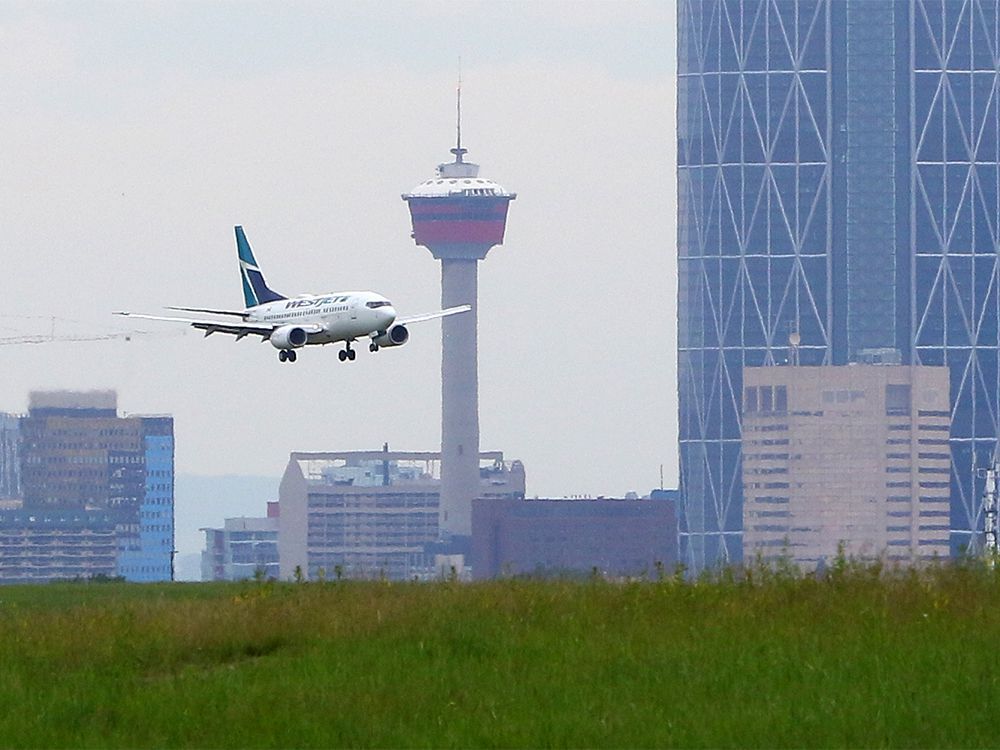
347	353
286	355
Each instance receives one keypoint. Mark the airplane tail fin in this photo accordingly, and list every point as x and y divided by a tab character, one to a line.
255	289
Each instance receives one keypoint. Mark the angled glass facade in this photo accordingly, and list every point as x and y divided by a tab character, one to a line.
955	184
838	187
755	195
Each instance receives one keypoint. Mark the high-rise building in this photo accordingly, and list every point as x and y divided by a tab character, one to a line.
845	459
370	514
838	172
84	467
459	216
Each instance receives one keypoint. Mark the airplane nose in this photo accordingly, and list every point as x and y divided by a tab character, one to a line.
386	316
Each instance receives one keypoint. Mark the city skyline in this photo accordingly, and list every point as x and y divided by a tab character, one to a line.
130	153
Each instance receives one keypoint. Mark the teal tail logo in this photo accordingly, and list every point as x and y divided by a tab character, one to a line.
255	288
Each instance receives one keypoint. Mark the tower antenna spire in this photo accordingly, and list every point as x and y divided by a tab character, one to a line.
458	150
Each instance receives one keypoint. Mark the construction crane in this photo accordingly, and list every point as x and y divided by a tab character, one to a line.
52	337
127	336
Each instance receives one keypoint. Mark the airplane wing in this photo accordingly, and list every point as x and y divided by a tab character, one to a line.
212	311
239	330
406	320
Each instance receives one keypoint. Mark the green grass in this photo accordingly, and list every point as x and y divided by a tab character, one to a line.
864	658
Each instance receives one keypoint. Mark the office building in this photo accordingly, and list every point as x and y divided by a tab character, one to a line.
242	548
371	514
37	546
612	538
838	163
83	466
845	459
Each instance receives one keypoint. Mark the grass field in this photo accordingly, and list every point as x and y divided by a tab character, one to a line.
863	658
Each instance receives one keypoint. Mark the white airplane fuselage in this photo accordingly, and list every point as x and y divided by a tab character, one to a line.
329	318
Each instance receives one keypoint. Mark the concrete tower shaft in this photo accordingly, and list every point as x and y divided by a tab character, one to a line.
459	397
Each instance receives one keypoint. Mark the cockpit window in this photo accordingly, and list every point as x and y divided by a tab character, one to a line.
378	303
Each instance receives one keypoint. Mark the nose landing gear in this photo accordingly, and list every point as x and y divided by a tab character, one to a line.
347	353
287	355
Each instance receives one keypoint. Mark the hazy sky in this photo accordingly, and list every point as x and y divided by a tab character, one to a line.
133	136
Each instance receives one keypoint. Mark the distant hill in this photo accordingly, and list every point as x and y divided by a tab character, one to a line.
206	501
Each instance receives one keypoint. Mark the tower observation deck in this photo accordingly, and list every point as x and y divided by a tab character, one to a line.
459	216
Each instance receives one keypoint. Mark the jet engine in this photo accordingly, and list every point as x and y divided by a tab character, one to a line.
288	337
395	336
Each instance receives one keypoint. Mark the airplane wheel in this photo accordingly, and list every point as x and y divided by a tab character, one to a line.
351	354
373	347
343	355
282	355
292	356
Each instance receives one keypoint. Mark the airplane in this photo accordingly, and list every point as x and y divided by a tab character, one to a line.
292	323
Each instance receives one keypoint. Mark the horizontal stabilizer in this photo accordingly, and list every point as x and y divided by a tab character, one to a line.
211	311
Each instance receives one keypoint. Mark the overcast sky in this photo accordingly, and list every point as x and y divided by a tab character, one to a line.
133	136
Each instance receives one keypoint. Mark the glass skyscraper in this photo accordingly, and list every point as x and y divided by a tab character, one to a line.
96	492
839	202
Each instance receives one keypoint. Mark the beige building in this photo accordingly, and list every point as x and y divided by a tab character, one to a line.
855	455
371	514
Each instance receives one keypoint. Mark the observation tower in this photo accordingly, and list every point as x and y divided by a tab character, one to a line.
459	216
